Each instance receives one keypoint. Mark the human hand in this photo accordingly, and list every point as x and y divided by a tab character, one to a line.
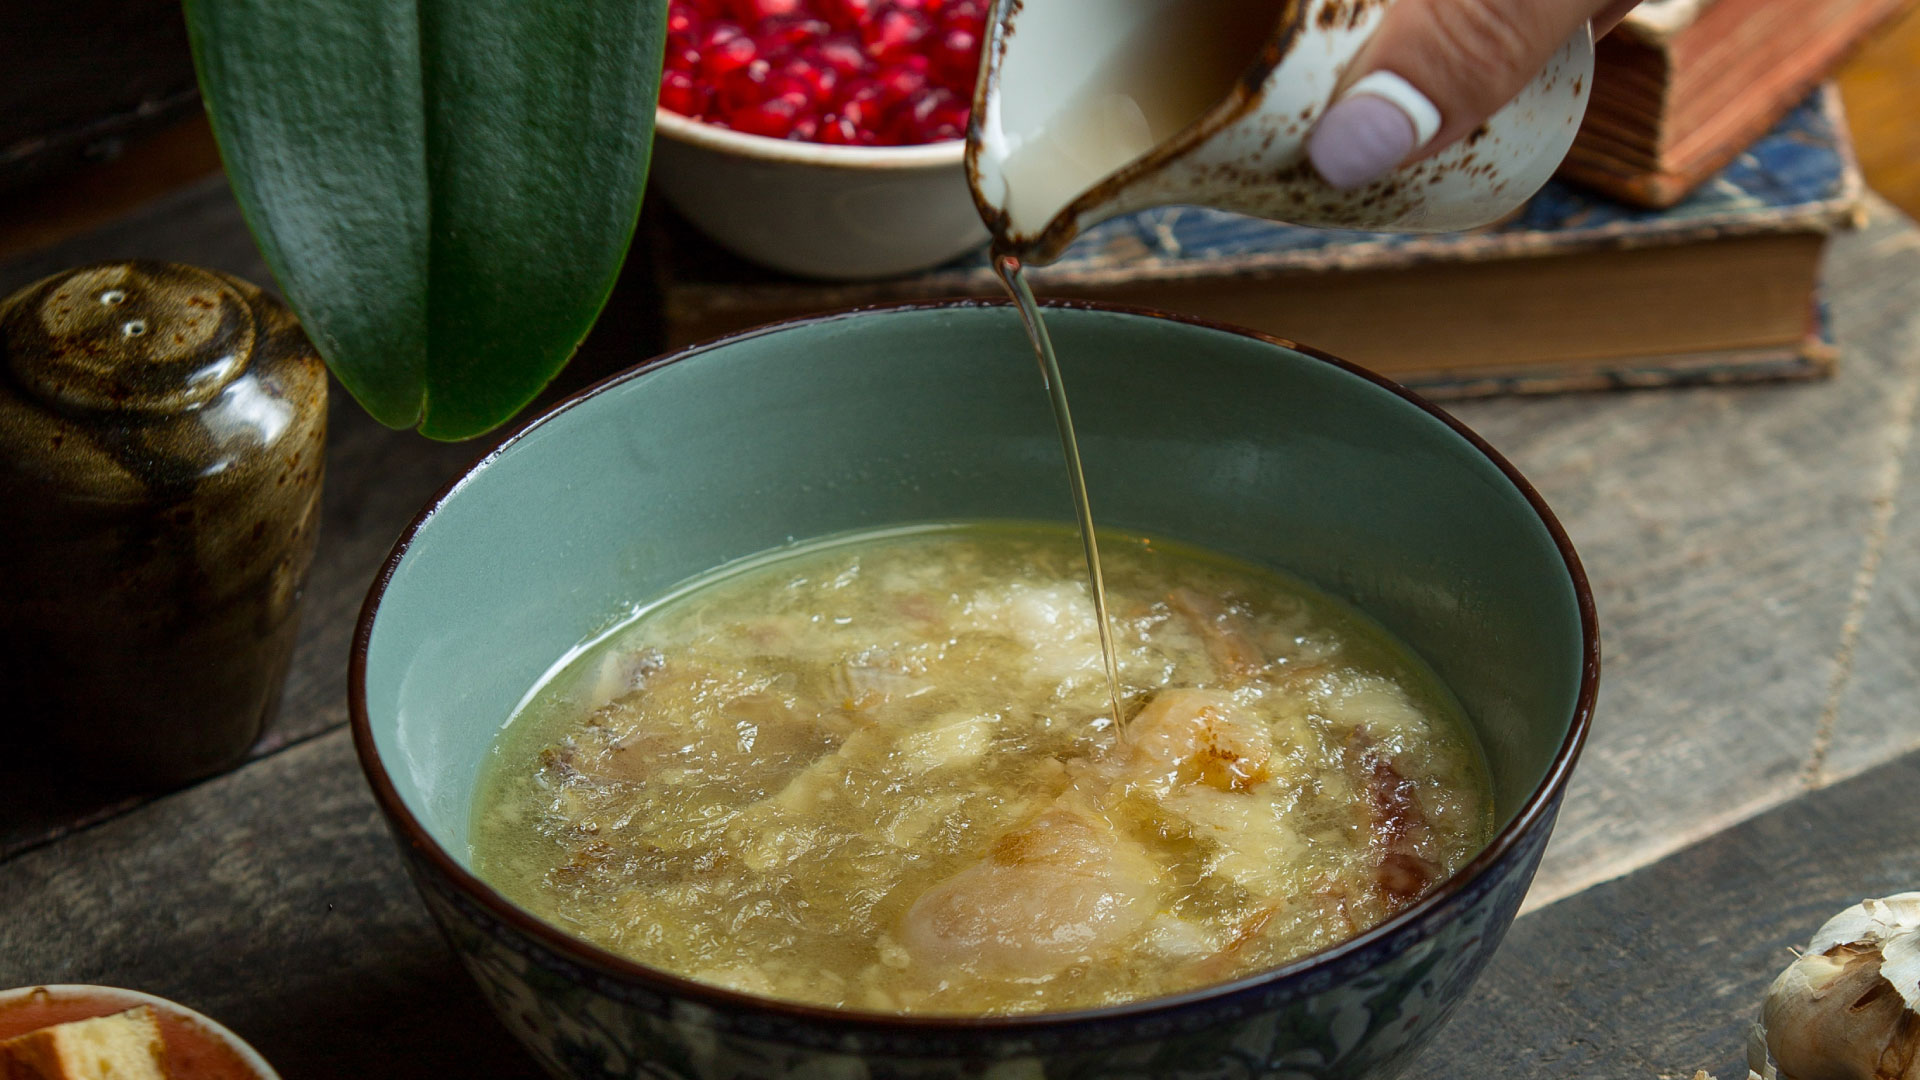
1433	71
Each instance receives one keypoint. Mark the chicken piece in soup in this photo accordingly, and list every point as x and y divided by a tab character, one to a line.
881	773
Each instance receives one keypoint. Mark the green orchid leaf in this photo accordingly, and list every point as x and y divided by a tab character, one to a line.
444	189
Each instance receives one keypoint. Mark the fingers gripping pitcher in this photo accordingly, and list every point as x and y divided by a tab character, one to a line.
1087	109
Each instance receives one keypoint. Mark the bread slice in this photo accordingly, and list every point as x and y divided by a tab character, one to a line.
124	1046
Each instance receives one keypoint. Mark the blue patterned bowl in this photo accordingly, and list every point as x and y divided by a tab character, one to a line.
1247	445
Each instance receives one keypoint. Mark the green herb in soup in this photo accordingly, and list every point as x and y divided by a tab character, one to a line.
880	773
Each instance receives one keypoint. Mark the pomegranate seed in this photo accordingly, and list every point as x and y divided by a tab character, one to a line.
902	82
680	93
847	14
682	54
717	34
752	12
843	54
948	121
963	14
928	117
682	18
723	51
839	131
893	35
790	32
957	57
862	103
812	80
844	72
774	118
743	87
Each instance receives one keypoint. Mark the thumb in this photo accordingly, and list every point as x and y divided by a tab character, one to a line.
1432	72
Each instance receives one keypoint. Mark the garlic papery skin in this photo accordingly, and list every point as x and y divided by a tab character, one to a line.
1850	1008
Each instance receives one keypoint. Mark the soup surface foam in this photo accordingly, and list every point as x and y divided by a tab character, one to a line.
880	773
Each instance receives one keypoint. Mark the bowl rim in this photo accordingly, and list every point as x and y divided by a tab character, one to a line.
945	154
1540	804
133	999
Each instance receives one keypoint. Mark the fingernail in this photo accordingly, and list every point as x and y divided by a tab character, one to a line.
1375	126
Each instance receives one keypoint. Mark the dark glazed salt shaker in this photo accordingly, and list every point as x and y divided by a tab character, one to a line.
161	430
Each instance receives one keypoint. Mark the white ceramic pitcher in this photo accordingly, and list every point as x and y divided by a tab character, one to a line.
1092	108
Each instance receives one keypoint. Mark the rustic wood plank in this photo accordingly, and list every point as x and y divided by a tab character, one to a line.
1722	529
1659	973
1875	714
272	900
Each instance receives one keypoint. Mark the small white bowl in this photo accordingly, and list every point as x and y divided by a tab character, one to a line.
820	211
86	1002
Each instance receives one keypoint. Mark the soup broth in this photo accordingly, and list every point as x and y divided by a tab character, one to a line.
882	773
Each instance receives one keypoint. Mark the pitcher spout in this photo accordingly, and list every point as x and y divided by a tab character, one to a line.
1078	101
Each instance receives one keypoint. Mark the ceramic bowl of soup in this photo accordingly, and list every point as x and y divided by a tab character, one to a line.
1264	454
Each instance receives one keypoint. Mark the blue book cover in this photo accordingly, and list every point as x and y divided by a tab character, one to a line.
1799	179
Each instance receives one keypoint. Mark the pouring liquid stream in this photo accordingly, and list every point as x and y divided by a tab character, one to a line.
1168	62
1013	277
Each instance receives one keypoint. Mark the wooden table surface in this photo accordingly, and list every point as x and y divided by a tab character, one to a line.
1756	557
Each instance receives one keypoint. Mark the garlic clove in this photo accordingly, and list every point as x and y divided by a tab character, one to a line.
1845	1010
1759	1065
1872	921
1900	965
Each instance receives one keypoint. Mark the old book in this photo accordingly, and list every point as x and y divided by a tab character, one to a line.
1682	86
1576	291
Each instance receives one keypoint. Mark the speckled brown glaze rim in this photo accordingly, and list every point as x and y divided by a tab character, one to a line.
1534	813
1064	226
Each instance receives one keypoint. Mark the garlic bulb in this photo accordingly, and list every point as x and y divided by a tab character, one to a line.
1850	1008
